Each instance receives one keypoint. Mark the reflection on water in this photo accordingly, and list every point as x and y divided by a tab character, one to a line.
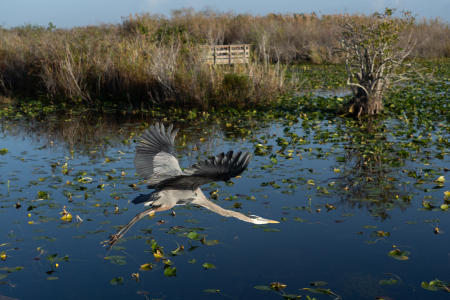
345	195
372	175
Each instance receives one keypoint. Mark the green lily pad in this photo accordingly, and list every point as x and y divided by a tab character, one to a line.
170	271
208	266
117	281
262	287
116	259
436	285
398	254
52	278
194	235
390	281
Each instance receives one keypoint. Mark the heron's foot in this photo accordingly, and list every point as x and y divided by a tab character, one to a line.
113	239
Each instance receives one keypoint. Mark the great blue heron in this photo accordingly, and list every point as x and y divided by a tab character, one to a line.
155	161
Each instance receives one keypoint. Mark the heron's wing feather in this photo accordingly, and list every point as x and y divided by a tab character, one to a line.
221	167
154	158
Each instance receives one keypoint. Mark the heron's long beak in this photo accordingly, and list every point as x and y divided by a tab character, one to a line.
273	222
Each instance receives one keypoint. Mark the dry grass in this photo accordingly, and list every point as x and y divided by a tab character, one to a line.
150	60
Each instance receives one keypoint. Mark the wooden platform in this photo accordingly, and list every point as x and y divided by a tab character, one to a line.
228	54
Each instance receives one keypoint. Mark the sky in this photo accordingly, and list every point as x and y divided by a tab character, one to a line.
70	13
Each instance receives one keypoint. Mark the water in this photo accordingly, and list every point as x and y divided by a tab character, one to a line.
334	199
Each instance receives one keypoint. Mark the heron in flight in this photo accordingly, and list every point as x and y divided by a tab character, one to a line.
155	162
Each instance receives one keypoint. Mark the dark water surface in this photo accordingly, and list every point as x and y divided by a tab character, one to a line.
342	208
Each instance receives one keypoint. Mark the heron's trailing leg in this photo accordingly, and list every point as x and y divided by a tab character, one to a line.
118	235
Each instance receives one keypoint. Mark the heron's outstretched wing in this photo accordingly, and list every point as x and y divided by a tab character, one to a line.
154	158
221	167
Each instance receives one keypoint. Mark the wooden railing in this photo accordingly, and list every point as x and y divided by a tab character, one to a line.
228	54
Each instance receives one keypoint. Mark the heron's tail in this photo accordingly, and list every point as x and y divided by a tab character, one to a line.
142	198
147	199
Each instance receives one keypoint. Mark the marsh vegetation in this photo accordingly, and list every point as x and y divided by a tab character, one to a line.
149	61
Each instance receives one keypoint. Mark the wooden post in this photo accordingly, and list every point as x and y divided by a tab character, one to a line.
245	53
229	54
214	54
248	54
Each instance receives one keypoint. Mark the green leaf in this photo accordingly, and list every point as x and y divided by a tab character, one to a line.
318	283
436	285
320	291
390	281
209	242
179	250
193	235
291	296
262	287
208	266
116	259
117	281
170	271
43	195
300	220
52	278
146	267
429	287
398	254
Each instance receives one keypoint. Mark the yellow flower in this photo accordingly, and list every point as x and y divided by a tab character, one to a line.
440	179
67	217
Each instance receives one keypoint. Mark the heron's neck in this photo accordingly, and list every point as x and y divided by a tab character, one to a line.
219	210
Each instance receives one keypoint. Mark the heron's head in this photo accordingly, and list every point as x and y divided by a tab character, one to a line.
260	220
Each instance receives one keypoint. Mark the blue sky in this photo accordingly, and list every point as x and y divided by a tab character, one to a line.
68	13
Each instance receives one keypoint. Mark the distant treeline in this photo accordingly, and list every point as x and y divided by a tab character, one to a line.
149	59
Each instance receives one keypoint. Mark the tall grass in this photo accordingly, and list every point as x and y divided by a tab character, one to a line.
153	60
97	65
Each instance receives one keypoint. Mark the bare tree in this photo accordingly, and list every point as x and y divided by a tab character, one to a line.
373	57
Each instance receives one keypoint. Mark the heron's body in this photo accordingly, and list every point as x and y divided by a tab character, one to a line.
156	163
170	197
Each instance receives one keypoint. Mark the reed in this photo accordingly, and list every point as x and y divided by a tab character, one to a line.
152	60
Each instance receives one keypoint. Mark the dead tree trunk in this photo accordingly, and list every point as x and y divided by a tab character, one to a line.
363	104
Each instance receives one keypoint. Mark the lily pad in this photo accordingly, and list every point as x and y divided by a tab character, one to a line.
170	271
117	281
436	285
390	281
398	254
146	267
208	266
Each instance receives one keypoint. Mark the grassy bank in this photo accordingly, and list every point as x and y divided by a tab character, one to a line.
149	61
